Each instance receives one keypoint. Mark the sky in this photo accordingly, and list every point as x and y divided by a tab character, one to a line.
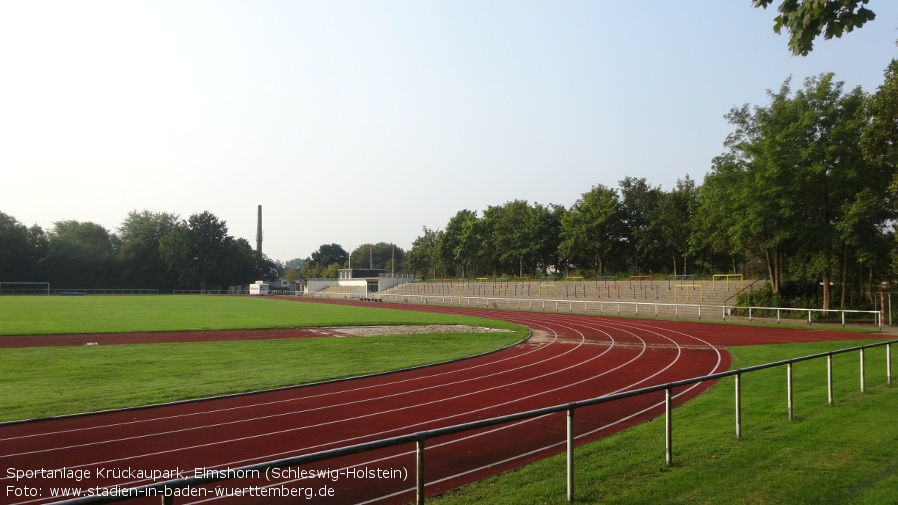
356	122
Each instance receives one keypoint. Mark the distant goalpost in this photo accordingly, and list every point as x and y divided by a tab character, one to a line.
7	287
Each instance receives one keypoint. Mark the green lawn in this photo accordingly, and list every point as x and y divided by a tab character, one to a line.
844	454
48	381
29	315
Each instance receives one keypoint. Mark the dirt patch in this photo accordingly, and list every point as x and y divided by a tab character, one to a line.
377	331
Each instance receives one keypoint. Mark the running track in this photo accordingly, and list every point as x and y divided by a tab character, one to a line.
569	358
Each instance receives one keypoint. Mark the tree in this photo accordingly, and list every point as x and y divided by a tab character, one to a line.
674	217
805	20
545	223
202	254
639	213
800	187
590	230
462	241
423	259
880	138
21	250
379	255
80	255
329	254
138	258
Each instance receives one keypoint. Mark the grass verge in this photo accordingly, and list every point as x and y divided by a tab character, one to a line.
826	455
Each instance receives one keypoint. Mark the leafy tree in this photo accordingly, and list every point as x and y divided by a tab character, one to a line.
293	274
462	241
716	220
138	258
202	254
423	259
21	250
545	235
800	187
674	216
642	241
805	20
295	263
590	230
512	237
379	255
329	254
80	255
880	138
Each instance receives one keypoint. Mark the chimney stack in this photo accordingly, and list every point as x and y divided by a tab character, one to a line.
259	233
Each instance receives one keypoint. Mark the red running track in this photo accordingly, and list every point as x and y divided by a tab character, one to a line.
569	358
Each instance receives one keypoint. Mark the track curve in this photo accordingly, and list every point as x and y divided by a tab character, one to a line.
570	358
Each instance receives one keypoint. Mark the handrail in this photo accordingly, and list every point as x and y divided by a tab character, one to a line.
420	438
749	287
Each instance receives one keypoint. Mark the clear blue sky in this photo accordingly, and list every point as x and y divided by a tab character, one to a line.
364	121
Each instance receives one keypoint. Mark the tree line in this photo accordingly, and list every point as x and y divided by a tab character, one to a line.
152	250
803	194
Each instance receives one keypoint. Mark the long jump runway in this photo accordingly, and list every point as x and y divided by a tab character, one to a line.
568	358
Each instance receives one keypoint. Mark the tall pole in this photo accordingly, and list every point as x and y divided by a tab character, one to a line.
259	233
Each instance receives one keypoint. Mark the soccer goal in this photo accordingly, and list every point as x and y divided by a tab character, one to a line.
24	288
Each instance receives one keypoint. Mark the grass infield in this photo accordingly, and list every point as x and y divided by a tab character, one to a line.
49	381
41	315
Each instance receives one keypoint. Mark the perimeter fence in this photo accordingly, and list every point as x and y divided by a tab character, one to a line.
77	291
168	489
656	309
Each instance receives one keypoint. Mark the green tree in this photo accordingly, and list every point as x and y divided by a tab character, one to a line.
674	216
139	261
21	250
716	221
512	237
642	241
379	255
800	186
590	230
805	20
329	254
202	254
461	244
423	258
545	234
880	138
80	255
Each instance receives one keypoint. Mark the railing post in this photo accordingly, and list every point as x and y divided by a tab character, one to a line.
570	456
863	381
419	464
789	388
829	378
668	452
738	406
168	499
889	364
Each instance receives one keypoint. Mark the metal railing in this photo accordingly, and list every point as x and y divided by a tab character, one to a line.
165	489
614	307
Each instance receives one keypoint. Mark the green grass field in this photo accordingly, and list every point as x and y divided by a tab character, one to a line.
33	315
49	381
